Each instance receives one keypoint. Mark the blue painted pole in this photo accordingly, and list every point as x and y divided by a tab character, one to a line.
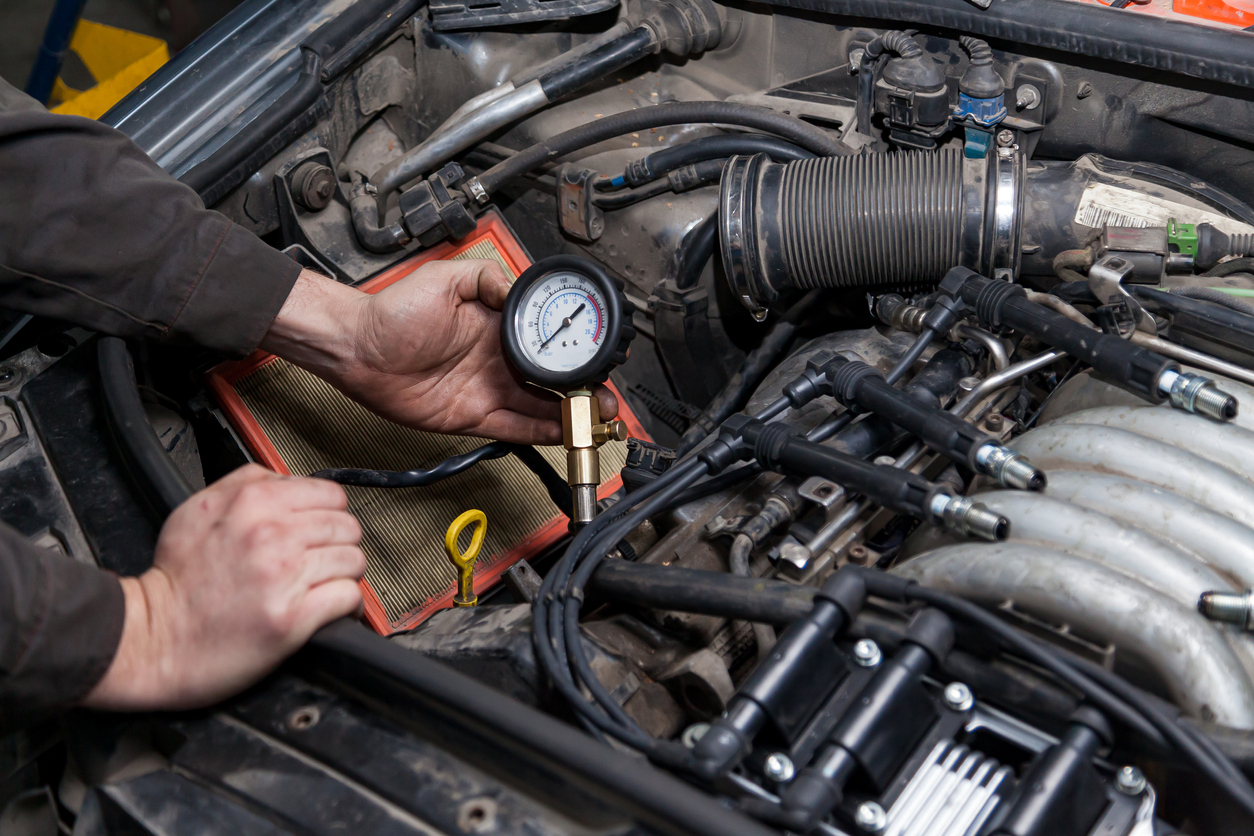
61	23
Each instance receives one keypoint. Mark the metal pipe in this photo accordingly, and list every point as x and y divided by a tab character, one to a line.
1226	445
1055	304
453	137
1119	452
574	54
996	348
1194	664
1188	355
999	379
1225	545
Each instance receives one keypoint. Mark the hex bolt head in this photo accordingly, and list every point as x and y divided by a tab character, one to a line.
871	817
1027	97
313	186
1130	781
1005	138
779	768
995	422
959	697
867	653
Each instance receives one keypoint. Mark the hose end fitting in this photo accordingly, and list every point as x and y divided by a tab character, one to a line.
1010	469
1199	395
1229	608
969	518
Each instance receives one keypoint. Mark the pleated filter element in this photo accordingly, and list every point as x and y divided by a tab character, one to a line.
294	422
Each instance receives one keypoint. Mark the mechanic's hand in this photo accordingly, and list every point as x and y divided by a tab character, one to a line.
245	571
424	352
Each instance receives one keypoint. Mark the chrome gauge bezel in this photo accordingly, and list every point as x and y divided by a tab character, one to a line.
617	326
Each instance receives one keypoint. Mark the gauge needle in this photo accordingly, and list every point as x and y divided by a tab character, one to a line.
565	324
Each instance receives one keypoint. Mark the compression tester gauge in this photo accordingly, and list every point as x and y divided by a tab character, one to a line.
566	324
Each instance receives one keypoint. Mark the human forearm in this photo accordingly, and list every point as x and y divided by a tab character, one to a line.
318	327
102	237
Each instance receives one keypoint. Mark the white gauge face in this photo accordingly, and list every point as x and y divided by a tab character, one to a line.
562	321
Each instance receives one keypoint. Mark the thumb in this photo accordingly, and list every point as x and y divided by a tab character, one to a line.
482	280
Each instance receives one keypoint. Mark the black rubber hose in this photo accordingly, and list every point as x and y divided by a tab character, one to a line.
743	382
630	197
453	465
694	253
143	452
663	162
1232	265
702	592
554	483
1220	317
602	61
1218	297
911	356
679	113
365	214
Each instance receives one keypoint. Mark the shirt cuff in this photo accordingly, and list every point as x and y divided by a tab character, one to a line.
237	296
64	622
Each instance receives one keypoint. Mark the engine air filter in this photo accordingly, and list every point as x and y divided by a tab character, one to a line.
296	423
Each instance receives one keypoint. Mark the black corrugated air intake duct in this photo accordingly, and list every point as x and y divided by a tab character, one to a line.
873	220
903	219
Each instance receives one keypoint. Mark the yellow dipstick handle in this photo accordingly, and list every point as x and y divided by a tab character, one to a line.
465	563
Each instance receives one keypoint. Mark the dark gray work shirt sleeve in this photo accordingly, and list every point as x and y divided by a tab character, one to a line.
92	231
60	623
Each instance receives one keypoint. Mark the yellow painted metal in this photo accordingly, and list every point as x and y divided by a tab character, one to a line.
465	561
119	61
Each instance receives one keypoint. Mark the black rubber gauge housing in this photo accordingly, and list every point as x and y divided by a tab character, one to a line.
520	323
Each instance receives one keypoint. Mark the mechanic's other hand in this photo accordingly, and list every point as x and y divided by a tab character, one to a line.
245	571
424	352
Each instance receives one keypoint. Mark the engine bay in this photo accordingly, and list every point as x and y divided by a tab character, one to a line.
929	507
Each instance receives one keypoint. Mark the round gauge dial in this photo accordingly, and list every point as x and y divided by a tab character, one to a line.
563	321
566	323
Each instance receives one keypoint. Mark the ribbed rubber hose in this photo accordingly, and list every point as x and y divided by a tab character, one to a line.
680	113
873	220
1209	294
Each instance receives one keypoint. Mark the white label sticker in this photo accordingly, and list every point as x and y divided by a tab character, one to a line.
1103	204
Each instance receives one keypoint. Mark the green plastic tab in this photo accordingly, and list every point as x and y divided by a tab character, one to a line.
1182	236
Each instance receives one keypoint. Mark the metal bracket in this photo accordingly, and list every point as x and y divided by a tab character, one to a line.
580	217
821	491
1106	278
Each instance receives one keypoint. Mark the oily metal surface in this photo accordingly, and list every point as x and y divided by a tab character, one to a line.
314	427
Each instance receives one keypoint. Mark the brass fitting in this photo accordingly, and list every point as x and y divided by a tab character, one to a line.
582	434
